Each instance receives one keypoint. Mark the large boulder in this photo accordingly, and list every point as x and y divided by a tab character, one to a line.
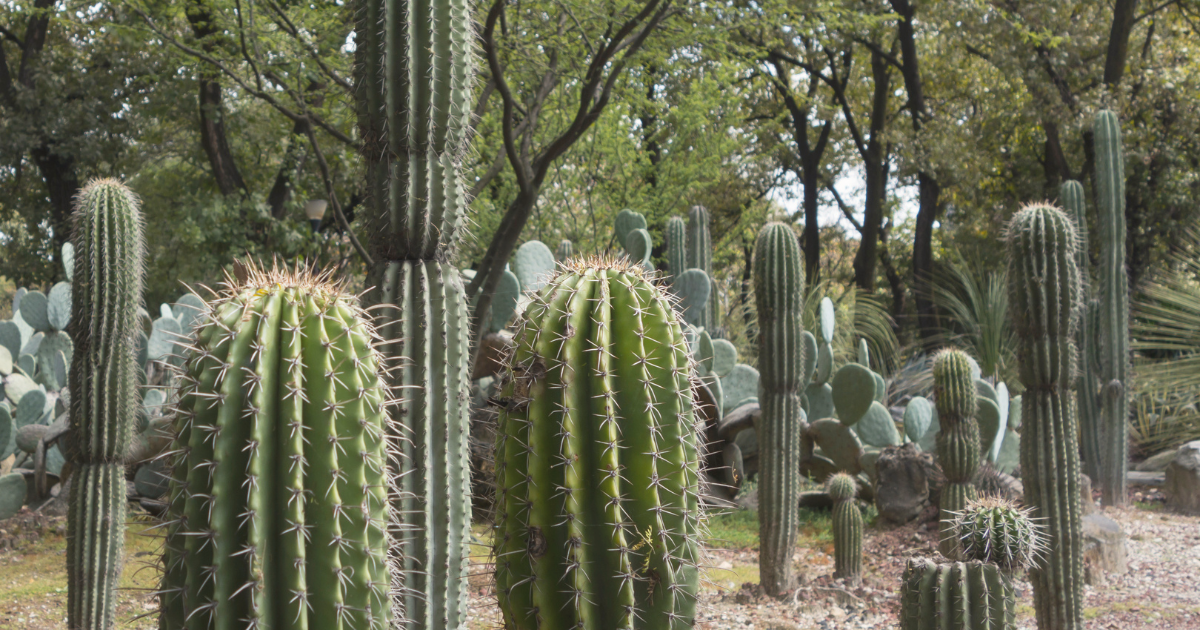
1103	548
1182	485
907	480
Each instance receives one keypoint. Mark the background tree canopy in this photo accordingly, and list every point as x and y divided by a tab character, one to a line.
914	130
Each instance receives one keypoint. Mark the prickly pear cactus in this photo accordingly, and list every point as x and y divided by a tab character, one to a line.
597	462
110	259
778	287
277	513
847	527
957	442
533	264
1044	291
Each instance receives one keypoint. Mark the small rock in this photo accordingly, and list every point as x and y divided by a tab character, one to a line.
905	478
1182	485
1156	463
725	565
1103	548
1085	495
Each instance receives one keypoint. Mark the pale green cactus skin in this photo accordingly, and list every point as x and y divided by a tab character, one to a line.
1044	292
277	509
699	256
957	442
778	287
597	460
107	292
956	596
1112	321
1071	195
414	73
847	527
676	247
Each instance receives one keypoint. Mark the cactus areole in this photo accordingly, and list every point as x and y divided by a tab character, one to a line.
277	512
597	459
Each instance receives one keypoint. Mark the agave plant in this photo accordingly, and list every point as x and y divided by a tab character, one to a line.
978	304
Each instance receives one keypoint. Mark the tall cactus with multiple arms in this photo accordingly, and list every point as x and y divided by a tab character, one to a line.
1071	195
597	459
1044	291
1113	304
107	290
958	440
414	97
778	291
277	508
847	527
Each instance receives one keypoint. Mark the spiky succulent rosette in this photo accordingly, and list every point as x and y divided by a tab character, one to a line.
998	532
277	514
597	458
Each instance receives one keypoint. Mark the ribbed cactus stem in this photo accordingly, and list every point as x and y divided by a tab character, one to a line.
997	532
1113	319
414	98
277	512
957	442
1044	292
1087	393
956	596
847	527
676	247
104	324
699	256
597	459
778	291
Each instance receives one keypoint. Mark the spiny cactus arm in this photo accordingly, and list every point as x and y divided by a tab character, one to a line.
676	246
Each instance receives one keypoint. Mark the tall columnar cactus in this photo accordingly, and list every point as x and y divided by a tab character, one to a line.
847	527
998	541
958	440
1087	393
676	247
1113	319
597	459
277	512
699	256
110	256
778	291
1044	292
414	97
566	250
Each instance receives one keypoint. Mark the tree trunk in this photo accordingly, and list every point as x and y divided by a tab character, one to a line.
212	126
62	184
875	164
1118	41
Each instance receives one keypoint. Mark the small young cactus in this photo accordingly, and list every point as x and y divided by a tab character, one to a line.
847	527
996	531
958	440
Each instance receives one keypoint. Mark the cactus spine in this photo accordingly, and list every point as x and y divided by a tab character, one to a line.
847	527
958	440
414	98
277	508
778	290
676	247
107	292
1044	291
597	459
1113	319
1071	195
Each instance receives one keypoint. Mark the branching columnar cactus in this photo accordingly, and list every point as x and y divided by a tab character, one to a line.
958	440
998	541
699	256
676	247
847	527
1112	322
1044	291
110	254
778	291
597	459
1071	195
277	512
414	96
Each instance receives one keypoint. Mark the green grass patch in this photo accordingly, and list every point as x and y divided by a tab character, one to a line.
738	529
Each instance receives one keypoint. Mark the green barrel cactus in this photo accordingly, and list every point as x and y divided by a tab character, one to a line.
1044	290
997	542
676	247
1112	320
277	512
847	527
597	459
414	93
110	254
778	291
957	441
